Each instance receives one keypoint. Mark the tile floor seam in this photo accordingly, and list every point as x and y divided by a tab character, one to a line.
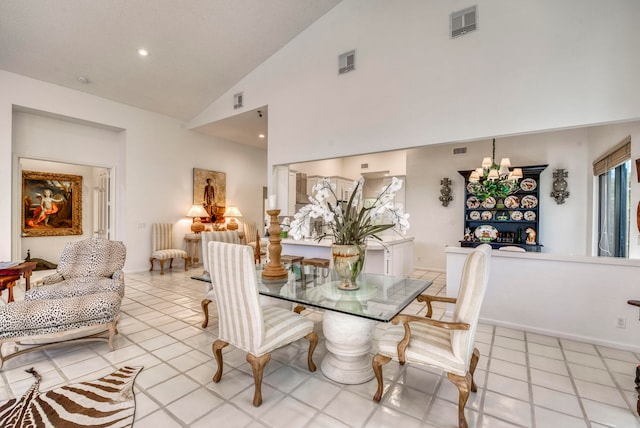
573	384
630	406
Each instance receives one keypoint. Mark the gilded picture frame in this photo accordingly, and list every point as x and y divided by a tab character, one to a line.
210	191
51	204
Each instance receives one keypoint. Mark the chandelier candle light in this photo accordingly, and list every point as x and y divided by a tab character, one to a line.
493	180
351	223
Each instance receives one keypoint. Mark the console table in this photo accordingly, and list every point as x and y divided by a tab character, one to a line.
192	243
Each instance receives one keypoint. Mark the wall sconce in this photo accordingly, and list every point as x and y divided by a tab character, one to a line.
559	192
445	192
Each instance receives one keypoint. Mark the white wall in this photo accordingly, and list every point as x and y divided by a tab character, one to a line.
530	66
573	297
154	170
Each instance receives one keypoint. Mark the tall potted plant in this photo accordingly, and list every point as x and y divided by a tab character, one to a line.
350	223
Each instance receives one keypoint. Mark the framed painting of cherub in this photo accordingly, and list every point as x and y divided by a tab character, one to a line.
51	204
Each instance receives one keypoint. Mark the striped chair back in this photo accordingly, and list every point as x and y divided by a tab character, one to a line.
240	318
161	236
229	236
473	285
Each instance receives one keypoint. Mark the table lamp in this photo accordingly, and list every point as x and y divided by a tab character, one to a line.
196	212
232	213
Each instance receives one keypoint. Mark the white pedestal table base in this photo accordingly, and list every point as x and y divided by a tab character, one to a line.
349	341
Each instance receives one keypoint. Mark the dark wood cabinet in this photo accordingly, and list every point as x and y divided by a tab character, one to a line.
504	222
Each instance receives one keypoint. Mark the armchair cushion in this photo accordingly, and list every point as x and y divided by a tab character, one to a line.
429	345
37	317
75	287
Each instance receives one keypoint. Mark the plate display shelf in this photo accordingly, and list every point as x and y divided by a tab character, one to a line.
510	221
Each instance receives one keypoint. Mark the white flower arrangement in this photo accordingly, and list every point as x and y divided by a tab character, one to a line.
355	222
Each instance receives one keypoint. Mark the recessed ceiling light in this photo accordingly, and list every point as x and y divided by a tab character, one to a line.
143	52
261	136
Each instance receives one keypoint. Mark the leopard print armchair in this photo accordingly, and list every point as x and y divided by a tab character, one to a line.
79	302
89	266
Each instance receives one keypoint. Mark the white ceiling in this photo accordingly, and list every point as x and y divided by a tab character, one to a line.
198	48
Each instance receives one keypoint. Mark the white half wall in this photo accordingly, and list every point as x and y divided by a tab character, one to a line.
578	298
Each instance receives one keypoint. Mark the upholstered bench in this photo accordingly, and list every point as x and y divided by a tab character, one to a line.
51	319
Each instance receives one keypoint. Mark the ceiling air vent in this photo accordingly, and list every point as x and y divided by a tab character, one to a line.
347	62
464	21
237	100
364	165
459	150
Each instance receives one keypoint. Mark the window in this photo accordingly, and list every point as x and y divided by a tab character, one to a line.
614	192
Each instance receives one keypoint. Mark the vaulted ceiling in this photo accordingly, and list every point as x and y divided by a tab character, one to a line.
197	49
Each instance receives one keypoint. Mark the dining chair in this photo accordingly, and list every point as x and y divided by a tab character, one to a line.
245	324
446	345
230	236
253	240
162	246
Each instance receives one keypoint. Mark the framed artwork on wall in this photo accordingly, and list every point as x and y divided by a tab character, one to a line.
51	204
210	190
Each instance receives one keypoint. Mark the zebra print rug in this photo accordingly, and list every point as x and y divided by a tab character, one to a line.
105	402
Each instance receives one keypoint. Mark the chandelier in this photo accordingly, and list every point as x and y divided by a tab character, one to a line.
494	180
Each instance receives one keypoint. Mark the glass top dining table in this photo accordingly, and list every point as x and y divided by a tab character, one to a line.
379	298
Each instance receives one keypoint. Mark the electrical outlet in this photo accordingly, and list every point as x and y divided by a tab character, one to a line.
621	322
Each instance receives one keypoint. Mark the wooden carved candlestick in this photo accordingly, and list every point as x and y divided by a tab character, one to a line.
274	269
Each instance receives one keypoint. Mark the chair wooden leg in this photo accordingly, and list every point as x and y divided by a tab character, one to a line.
161	266
187	260
112	334
257	365
205	310
313	342
151	261
299	308
377	363
472	368
463	383
217	352
171	263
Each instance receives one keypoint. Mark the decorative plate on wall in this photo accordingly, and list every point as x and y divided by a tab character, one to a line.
528	184
529	201
473	202
486	233
474	215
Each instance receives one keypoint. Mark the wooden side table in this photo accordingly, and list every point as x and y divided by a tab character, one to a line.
24	270
8	282
193	243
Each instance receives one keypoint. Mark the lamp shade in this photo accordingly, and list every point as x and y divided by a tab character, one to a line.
197	211
232	212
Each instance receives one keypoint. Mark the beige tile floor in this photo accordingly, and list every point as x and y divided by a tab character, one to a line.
524	379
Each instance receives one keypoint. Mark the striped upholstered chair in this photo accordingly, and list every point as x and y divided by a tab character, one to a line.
445	345
243	322
162	247
230	236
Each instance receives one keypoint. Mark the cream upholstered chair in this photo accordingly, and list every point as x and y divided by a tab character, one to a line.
252	237
243	322
447	345
230	236
162	247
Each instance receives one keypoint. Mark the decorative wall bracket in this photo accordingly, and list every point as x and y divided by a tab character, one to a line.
445	192
559	192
